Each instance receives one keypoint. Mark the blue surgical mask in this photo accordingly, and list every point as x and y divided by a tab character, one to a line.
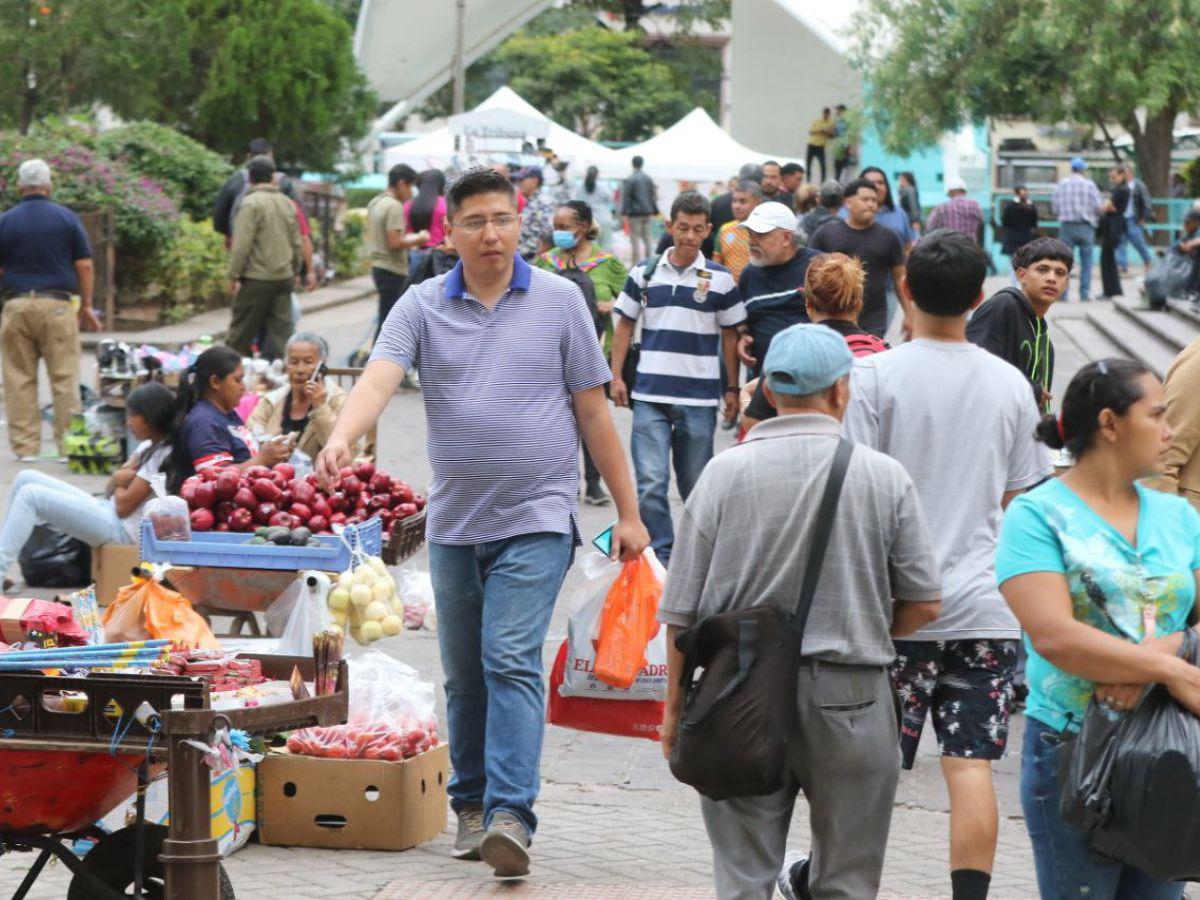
565	240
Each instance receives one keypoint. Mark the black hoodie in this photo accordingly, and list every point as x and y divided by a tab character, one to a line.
1007	326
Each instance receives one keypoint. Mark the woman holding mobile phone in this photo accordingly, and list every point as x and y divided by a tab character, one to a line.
308	405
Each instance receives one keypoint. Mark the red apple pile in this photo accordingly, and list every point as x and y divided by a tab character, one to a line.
227	499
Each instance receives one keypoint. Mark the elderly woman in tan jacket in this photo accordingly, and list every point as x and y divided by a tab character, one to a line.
309	404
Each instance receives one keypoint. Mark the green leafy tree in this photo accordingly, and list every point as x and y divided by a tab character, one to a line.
186	169
689	12
931	64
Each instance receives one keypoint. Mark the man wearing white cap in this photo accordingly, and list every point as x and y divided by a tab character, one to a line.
959	213
772	286
46	264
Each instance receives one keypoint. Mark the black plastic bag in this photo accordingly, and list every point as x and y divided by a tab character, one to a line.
1137	791
53	559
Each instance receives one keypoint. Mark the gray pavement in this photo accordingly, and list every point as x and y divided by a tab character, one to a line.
613	821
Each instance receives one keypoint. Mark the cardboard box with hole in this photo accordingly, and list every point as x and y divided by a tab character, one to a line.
352	804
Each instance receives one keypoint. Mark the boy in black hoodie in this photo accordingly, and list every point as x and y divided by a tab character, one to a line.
1012	322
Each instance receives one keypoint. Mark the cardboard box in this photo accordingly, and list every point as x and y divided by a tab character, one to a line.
112	566
12	610
352	804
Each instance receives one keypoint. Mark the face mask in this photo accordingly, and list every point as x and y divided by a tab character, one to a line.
565	240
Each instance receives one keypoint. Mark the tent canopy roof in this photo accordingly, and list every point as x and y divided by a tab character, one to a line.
693	149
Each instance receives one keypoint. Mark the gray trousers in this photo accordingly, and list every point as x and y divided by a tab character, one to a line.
846	759
639	237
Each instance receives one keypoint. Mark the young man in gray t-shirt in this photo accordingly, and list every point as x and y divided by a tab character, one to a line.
961	422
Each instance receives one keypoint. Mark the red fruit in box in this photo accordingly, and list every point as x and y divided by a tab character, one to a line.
380	483
318	524
338	518
404	510
227	484
254	473
202	520
287	470
313	479
223	509
209	474
263	513
221	526
296	523
245	499
320	507
402	491
381	501
345	472
352	484
361	502
300	511
187	490
281	518
419	501
364	470
303	492
279	480
204	496
339	502
285	499
241	519
267	491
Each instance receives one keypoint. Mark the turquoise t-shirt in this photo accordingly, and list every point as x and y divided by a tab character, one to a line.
1051	529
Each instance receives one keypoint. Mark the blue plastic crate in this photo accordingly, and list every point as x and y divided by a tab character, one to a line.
229	550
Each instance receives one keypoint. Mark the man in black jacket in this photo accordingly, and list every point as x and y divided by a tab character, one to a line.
1012	323
1018	222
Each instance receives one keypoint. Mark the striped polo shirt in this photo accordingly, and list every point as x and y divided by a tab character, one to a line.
682	316
502	438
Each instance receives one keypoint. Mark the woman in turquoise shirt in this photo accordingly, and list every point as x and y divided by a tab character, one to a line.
1102	574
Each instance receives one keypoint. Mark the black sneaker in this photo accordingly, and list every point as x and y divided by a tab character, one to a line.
594	495
505	847
470	833
792	881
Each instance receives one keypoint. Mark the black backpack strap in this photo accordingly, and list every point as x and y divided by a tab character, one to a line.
822	527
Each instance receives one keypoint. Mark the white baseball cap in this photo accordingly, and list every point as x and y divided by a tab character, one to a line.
33	173
955	184
766	217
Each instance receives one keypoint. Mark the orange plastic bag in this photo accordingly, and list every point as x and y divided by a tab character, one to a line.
145	609
627	623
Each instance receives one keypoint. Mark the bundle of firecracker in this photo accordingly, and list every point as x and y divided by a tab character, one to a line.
223	671
327	656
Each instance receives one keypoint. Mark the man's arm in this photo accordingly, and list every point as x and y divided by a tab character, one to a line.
243	239
1182	394
733	372
673	707
366	403
599	434
85	272
909	616
622	338
399	240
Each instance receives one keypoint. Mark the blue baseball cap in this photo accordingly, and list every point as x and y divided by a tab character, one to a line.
806	359
1078	163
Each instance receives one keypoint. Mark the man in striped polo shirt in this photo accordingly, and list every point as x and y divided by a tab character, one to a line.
512	375
690	309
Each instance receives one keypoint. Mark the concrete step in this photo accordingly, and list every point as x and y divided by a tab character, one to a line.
1184	310
1077	342
1132	339
1175	331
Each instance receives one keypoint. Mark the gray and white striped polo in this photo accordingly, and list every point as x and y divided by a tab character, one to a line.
502	438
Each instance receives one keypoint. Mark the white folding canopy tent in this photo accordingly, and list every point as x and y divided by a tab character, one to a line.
693	149
437	147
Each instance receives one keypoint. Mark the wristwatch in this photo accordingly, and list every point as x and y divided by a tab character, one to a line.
733	389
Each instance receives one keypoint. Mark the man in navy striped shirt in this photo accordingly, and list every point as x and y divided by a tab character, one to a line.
512	375
690	310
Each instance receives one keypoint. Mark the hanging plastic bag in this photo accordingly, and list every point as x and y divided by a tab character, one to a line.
364	603
280	609
145	609
599	714
415	590
392	715
168	515
309	616
627	622
580	678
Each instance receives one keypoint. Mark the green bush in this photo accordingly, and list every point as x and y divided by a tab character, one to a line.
357	198
190	172
190	273
346	247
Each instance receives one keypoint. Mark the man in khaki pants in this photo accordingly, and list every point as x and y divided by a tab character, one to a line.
45	260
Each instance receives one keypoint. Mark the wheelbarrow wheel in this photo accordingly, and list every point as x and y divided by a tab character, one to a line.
110	862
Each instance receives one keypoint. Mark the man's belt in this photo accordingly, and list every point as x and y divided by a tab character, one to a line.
48	295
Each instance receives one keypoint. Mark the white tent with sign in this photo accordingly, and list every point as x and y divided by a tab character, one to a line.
497	127
693	149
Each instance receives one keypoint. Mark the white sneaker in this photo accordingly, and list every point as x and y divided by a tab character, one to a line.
29	459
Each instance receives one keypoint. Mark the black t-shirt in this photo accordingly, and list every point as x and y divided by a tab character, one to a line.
879	250
774	298
781	196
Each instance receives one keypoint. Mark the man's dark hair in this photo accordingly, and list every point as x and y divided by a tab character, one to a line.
1043	248
832	194
751	172
771	162
401	172
260	147
841	107
825	111
792	168
637	162
857	185
475	181
690	203
945	272
260	170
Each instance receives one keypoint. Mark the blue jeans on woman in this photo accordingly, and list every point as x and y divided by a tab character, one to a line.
40	499
1066	870
494	602
664	433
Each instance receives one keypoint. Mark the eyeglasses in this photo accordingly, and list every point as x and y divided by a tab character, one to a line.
473	226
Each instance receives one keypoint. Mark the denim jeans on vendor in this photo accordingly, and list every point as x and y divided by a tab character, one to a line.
494	601
37	498
1080	236
1062	853
666	433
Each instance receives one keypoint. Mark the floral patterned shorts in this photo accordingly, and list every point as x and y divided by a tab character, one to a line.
968	685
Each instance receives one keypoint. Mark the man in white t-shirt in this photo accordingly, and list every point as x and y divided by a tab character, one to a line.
961	422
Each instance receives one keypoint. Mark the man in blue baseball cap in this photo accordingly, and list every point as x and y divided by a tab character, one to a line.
744	540
1077	206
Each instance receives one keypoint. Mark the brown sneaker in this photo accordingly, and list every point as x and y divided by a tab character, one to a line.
506	846
470	833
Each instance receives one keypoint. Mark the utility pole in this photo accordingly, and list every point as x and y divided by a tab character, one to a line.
459	64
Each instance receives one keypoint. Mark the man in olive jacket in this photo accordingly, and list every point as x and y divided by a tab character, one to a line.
264	261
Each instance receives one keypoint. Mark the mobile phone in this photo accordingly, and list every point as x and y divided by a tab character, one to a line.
319	373
603	541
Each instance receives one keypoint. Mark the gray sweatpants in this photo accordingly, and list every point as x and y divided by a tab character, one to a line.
846	759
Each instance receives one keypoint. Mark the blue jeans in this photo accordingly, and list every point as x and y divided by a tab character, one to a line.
1135	235
664	433
494	602
40	499
1082	237
1062	854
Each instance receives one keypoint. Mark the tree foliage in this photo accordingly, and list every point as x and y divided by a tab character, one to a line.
931	64
688	12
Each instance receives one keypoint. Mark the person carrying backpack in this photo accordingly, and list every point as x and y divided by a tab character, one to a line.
600	277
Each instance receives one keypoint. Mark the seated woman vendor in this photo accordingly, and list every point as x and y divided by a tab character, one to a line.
211	433
308	405
41	499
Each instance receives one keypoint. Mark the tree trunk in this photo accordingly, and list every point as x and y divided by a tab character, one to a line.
1153	146
633	12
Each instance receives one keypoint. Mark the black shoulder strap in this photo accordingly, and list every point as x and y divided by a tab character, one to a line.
648	268
822	527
